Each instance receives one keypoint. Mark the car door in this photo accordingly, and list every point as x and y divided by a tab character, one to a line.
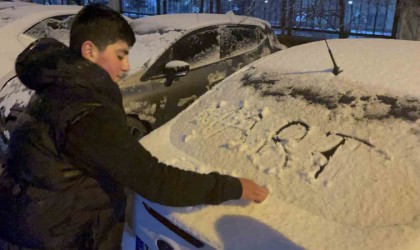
201	50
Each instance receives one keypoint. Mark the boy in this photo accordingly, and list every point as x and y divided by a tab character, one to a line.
72	154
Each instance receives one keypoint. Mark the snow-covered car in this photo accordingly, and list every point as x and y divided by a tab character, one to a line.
338	152
178	57
175	59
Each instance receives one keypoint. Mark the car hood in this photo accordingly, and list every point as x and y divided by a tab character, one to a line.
338	153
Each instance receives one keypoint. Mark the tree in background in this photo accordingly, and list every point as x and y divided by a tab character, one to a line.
283	16
344	32
165	6
158	11
407	24
219	7
290	20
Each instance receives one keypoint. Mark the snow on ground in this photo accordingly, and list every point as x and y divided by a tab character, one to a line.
340	154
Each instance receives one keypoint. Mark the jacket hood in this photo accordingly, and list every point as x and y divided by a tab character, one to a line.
37	65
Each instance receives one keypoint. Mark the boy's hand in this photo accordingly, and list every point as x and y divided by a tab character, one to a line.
252	191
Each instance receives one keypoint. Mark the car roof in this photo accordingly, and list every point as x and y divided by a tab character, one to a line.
190	21
31	11
12	4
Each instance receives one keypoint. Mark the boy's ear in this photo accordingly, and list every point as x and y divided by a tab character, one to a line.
90	51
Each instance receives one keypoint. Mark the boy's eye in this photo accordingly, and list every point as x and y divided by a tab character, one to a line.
120	57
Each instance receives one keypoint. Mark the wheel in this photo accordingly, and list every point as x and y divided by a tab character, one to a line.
136	127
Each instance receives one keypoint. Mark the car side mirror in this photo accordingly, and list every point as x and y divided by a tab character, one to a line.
175	69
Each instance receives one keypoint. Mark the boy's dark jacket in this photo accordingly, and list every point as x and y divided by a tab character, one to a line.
72	153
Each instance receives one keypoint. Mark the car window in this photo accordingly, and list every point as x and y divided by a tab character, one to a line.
237	40
197	48
54	27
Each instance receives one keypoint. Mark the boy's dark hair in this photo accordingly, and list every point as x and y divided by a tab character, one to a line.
100	24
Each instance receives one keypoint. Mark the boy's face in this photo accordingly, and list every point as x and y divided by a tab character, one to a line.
114	59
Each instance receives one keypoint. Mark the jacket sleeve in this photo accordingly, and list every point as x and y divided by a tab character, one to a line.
101	144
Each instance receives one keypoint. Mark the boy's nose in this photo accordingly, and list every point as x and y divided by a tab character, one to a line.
125	65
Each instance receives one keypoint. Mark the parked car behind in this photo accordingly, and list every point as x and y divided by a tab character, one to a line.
339	153
178	57
175	59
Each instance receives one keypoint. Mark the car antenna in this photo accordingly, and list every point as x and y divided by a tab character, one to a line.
336	69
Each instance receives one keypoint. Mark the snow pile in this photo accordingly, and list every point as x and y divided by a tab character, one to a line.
338	153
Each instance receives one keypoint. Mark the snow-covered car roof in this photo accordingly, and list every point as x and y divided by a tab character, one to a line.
31	13
12	4
190	21
155	34
340	154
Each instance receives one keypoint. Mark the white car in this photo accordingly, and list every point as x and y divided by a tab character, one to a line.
338	152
